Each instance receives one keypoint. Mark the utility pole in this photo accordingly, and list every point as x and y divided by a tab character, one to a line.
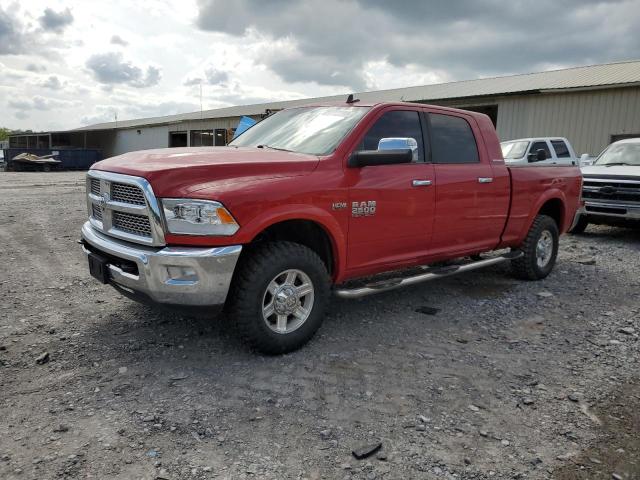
200	99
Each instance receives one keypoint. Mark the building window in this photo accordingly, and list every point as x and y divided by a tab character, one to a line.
177	139
201	138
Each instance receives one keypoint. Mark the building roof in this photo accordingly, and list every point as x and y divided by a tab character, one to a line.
593	76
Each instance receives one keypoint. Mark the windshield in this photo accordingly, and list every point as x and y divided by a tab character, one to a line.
312	130
511	150
620	154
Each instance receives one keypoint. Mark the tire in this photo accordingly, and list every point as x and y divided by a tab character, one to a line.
580	226
274	265
537	262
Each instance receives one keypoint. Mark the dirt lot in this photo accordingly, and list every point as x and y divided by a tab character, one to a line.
507	379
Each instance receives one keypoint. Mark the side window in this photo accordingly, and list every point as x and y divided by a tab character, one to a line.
452	140
394	124
533	151
562	151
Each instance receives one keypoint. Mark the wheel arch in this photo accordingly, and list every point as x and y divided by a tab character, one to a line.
554	205
314	228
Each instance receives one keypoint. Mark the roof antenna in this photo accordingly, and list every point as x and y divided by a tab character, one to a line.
350	99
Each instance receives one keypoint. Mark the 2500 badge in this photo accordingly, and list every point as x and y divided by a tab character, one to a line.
363	209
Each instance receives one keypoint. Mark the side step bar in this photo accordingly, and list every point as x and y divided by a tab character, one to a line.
431	274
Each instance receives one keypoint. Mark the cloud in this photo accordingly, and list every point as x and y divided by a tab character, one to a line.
12	39
212	76
53	21
53	83
106	113
39	103
111	68
216	77
466	38
36	68
118	40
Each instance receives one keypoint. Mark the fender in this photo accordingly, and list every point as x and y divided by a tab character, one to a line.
282	213
551	194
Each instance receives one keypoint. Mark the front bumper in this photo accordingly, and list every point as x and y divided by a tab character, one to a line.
169	275
617	211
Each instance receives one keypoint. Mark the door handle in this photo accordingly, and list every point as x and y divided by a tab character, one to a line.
421	183
485	179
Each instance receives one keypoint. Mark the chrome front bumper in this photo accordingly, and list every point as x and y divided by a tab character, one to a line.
613	210
171	275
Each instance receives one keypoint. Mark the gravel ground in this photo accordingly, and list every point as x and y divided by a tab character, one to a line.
473	377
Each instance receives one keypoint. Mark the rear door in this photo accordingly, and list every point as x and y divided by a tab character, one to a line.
562	152
468	214
391	205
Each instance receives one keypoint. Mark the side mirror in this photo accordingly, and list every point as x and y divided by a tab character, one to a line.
370	158
586	160
399	143
539	156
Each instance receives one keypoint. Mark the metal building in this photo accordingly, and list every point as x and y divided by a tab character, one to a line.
591	106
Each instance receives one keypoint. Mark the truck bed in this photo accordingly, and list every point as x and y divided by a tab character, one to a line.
534	185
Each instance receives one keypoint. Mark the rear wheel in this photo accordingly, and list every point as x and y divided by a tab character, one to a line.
279	296
580	226
540	249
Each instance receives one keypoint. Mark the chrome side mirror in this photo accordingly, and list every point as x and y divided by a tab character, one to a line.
586	160
400	143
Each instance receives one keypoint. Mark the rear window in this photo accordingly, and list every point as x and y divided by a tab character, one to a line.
452	140
562	151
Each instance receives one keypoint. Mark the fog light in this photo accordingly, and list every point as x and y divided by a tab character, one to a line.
181	275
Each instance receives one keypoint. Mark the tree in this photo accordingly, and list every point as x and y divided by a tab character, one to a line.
4	133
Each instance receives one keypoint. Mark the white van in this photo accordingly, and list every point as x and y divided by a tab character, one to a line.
543	150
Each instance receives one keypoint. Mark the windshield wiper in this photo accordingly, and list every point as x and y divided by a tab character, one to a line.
615	164
273	148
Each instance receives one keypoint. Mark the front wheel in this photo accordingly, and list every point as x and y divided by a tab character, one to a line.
279	296
580	226
540	249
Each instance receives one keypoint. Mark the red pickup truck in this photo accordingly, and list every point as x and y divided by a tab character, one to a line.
311	199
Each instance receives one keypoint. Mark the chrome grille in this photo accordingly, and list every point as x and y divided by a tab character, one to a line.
124	207
133	224
95	186
96	212
603	190
121	192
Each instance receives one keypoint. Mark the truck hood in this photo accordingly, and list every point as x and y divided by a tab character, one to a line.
616	171
180	171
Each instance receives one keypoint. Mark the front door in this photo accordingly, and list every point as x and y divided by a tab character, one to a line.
391	205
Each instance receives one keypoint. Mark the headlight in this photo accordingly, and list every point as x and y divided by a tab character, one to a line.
197	217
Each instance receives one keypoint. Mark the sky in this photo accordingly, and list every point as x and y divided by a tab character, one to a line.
68	63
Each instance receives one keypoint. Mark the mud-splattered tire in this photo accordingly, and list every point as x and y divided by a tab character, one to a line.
580	226
278	296
540	249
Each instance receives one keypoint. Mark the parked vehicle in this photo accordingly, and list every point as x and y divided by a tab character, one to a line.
313	198
611	190
45	159
541	150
